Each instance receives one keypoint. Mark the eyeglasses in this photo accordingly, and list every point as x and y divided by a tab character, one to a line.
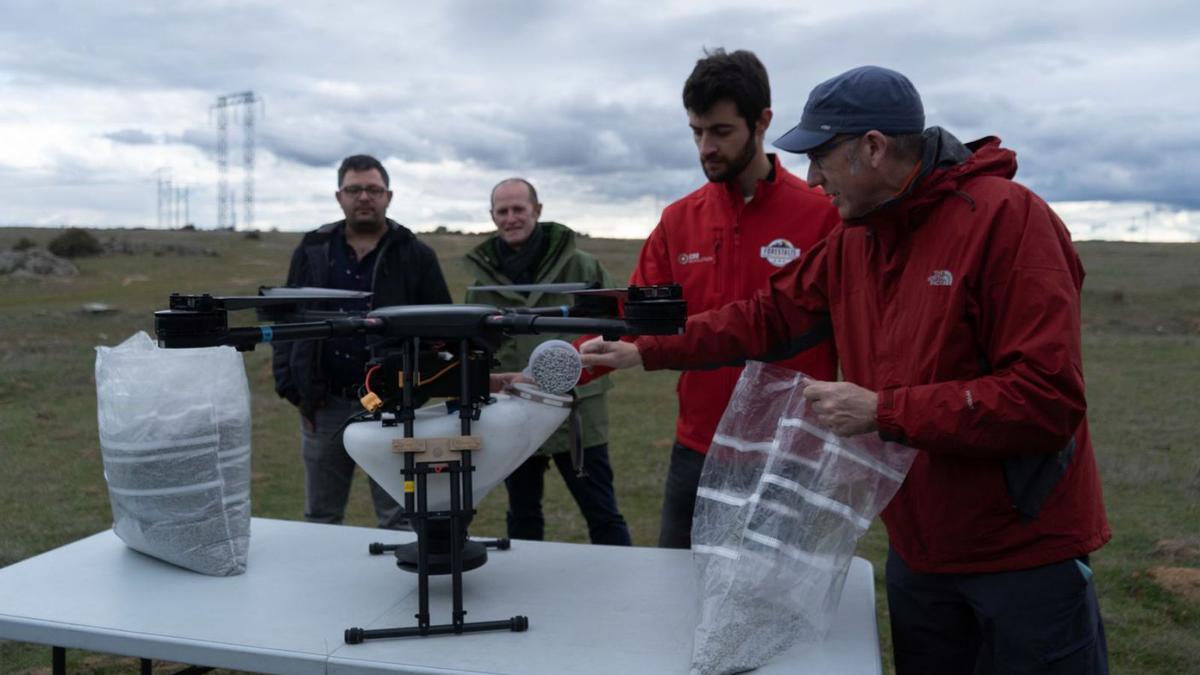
820	154
372	190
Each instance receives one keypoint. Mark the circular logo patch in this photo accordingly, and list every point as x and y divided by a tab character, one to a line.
779	252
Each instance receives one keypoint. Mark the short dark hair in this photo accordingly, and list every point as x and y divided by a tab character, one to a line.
361	163
738	76
533	198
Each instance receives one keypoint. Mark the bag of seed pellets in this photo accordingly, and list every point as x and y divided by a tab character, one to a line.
175	439
781	504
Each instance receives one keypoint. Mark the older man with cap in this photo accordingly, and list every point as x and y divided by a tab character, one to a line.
954	294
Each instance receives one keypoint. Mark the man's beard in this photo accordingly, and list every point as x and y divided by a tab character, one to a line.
366	225
736	166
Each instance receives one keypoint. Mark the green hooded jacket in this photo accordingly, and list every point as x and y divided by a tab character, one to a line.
562	263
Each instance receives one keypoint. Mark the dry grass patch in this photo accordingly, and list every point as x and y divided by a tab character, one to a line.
1182	581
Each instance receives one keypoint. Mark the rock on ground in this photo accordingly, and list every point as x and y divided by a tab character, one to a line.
35	262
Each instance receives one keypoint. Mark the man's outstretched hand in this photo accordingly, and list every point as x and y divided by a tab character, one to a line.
844	408
597	352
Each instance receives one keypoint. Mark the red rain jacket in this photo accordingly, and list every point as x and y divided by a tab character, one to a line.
721	248
958	303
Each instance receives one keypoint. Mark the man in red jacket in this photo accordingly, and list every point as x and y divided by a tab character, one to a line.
954	295
721	243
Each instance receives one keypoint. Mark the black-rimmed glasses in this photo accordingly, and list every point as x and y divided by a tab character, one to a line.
816	156
372	190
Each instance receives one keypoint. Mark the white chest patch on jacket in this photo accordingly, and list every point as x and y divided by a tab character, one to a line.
941	278
779	252
693	258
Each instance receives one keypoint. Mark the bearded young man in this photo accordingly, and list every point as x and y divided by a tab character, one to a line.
365	251
721	243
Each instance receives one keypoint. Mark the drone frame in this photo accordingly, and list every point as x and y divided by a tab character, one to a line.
476	331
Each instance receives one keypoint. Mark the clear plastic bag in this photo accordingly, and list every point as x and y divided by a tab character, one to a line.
175	439
781	504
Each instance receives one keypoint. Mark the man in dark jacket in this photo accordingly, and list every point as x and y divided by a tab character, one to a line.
954	294
366	251
525	251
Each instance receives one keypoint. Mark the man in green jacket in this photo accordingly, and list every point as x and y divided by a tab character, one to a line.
525	251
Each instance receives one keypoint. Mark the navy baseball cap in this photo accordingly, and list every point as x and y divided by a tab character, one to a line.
857	101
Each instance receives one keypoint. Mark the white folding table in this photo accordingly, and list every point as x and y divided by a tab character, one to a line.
591	609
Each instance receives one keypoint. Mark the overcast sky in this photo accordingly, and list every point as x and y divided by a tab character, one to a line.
1100	100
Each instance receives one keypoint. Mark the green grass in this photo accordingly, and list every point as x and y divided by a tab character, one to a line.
1142	359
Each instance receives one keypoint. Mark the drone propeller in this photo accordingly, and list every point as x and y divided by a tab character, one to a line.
311	293
268	297
619	293
570	287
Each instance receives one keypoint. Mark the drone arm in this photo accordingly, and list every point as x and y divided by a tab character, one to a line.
182	330
556	310
527	324
317	330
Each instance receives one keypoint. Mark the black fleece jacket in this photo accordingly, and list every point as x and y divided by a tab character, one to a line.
406	273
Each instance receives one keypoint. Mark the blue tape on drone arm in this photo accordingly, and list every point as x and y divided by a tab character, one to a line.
268	333
566	311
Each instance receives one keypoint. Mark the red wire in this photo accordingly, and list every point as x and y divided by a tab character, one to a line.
367	384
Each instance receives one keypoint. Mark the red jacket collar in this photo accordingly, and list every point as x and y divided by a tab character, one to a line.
762	187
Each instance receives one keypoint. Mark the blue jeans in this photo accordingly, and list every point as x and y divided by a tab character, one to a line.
679	497
593	493
1039	620
328	470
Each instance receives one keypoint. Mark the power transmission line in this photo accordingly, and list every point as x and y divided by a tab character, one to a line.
173	200
244	101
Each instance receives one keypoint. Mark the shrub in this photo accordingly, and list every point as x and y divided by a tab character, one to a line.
24	244
75	243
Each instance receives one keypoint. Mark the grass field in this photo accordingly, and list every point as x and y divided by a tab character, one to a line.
1142	360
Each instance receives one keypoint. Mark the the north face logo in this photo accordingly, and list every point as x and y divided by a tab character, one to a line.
941	278
779	252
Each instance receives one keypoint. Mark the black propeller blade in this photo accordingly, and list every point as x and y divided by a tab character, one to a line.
311	293
535	288
269	297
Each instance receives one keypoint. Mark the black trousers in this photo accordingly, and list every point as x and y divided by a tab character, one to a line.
593	493
1040	620
679	497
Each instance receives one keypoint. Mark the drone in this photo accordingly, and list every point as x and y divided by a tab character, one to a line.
420	352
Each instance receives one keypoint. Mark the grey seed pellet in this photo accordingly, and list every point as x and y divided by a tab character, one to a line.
556	370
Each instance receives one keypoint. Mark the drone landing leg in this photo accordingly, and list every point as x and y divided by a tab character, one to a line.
422	615
442	546
433	530
457	536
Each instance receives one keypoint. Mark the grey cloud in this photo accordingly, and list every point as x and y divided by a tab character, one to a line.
131	137
580	136
123	44
529	87
1069	152
202	139
458	215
